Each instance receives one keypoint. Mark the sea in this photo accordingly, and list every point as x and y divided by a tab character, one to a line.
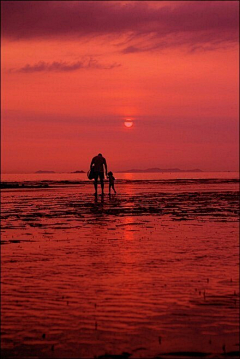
119	176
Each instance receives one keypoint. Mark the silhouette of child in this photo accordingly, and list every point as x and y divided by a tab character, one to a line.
111	182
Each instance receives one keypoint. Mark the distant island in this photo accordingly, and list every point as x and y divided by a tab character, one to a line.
78	172
45	171
148	170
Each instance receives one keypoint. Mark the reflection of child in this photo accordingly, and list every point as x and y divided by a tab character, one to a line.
111	182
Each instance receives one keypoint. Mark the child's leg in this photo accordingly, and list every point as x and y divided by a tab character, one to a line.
109	188
113	188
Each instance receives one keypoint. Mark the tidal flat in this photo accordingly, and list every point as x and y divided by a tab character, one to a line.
151	272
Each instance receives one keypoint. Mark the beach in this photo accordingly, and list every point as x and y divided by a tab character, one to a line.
142	96
152	271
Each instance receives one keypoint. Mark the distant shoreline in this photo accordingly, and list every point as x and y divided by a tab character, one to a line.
159	170
129	171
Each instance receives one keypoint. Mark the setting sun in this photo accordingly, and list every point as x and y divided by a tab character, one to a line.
128	123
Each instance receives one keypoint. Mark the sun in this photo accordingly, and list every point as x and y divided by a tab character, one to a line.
128	123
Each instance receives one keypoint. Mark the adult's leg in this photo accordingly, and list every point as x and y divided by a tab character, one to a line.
101	180
95	183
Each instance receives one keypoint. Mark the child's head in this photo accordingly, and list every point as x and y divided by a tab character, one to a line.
110	173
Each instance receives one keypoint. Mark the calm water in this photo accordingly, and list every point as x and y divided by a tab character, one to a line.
123	176
150	271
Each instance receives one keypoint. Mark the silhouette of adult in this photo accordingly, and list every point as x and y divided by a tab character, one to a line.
97	164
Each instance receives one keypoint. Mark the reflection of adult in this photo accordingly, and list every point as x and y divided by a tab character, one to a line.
98	171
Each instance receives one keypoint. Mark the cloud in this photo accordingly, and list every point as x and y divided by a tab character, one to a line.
56	66
147	27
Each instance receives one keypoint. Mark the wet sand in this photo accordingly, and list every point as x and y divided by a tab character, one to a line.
149	272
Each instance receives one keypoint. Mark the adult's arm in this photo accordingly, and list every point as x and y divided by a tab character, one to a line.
91	163
105	164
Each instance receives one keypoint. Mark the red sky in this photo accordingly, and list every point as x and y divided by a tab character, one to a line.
73	71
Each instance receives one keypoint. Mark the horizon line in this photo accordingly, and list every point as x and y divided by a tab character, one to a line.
116	171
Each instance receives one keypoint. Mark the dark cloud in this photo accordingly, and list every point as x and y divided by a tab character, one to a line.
203	23
55	66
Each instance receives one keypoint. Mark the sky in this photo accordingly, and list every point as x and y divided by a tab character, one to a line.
74	71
